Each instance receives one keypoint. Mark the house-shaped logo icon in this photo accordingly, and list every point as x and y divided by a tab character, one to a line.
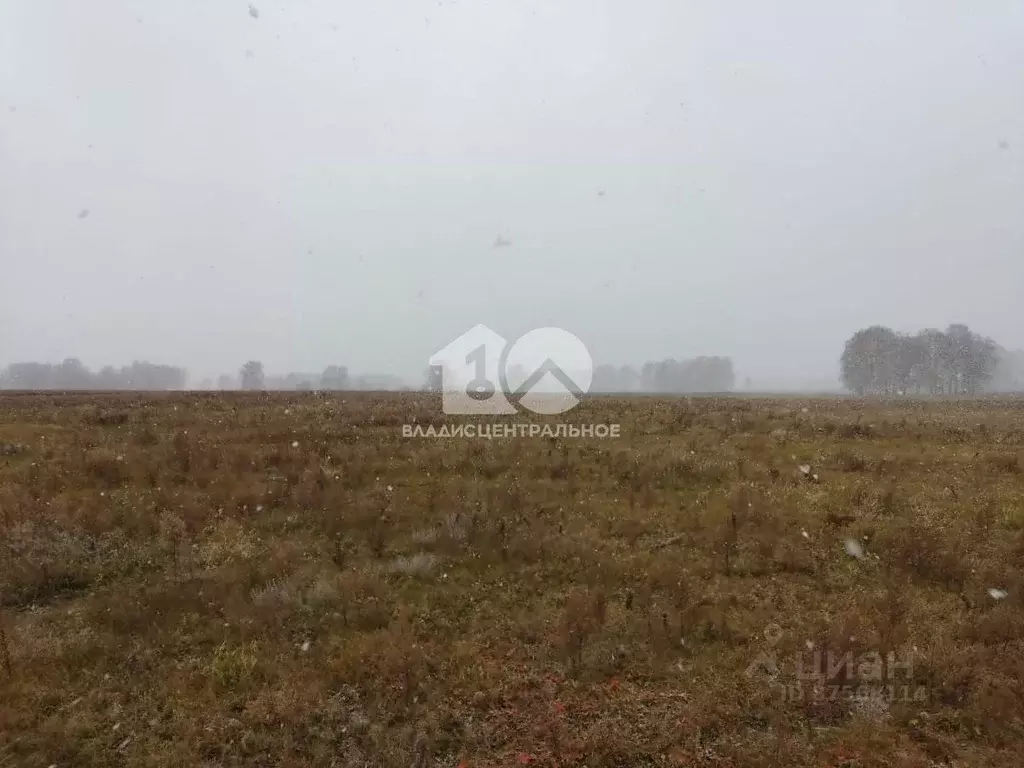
548	369
471	374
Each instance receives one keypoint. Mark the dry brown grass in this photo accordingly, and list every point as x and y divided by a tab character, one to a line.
213	580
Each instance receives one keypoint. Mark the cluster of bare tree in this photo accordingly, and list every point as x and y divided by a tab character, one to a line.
957	361
253	378
699	374
73	375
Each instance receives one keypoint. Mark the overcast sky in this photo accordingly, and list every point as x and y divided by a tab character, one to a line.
326	182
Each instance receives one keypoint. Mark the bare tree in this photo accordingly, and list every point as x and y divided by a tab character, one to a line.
867	365
252	375
433	379
335	377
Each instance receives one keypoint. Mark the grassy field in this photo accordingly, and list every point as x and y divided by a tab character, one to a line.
215	580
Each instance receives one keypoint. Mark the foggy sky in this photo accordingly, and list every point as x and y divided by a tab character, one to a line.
326	183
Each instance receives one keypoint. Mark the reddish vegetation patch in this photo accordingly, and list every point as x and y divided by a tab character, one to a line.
285	580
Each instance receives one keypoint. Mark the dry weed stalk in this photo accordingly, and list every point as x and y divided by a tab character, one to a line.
585	616
5	648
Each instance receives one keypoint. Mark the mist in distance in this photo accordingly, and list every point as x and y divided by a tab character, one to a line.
319	184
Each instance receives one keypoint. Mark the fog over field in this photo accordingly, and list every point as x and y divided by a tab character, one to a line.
476	383
306	184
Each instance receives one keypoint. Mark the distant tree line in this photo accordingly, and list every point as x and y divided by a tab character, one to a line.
334	378
252	377
73	375
698	374
957	361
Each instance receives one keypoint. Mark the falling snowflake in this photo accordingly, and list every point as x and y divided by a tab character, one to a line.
295	444
254	11
997	594
853	548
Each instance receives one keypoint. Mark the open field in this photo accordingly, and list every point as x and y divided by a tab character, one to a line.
215	580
